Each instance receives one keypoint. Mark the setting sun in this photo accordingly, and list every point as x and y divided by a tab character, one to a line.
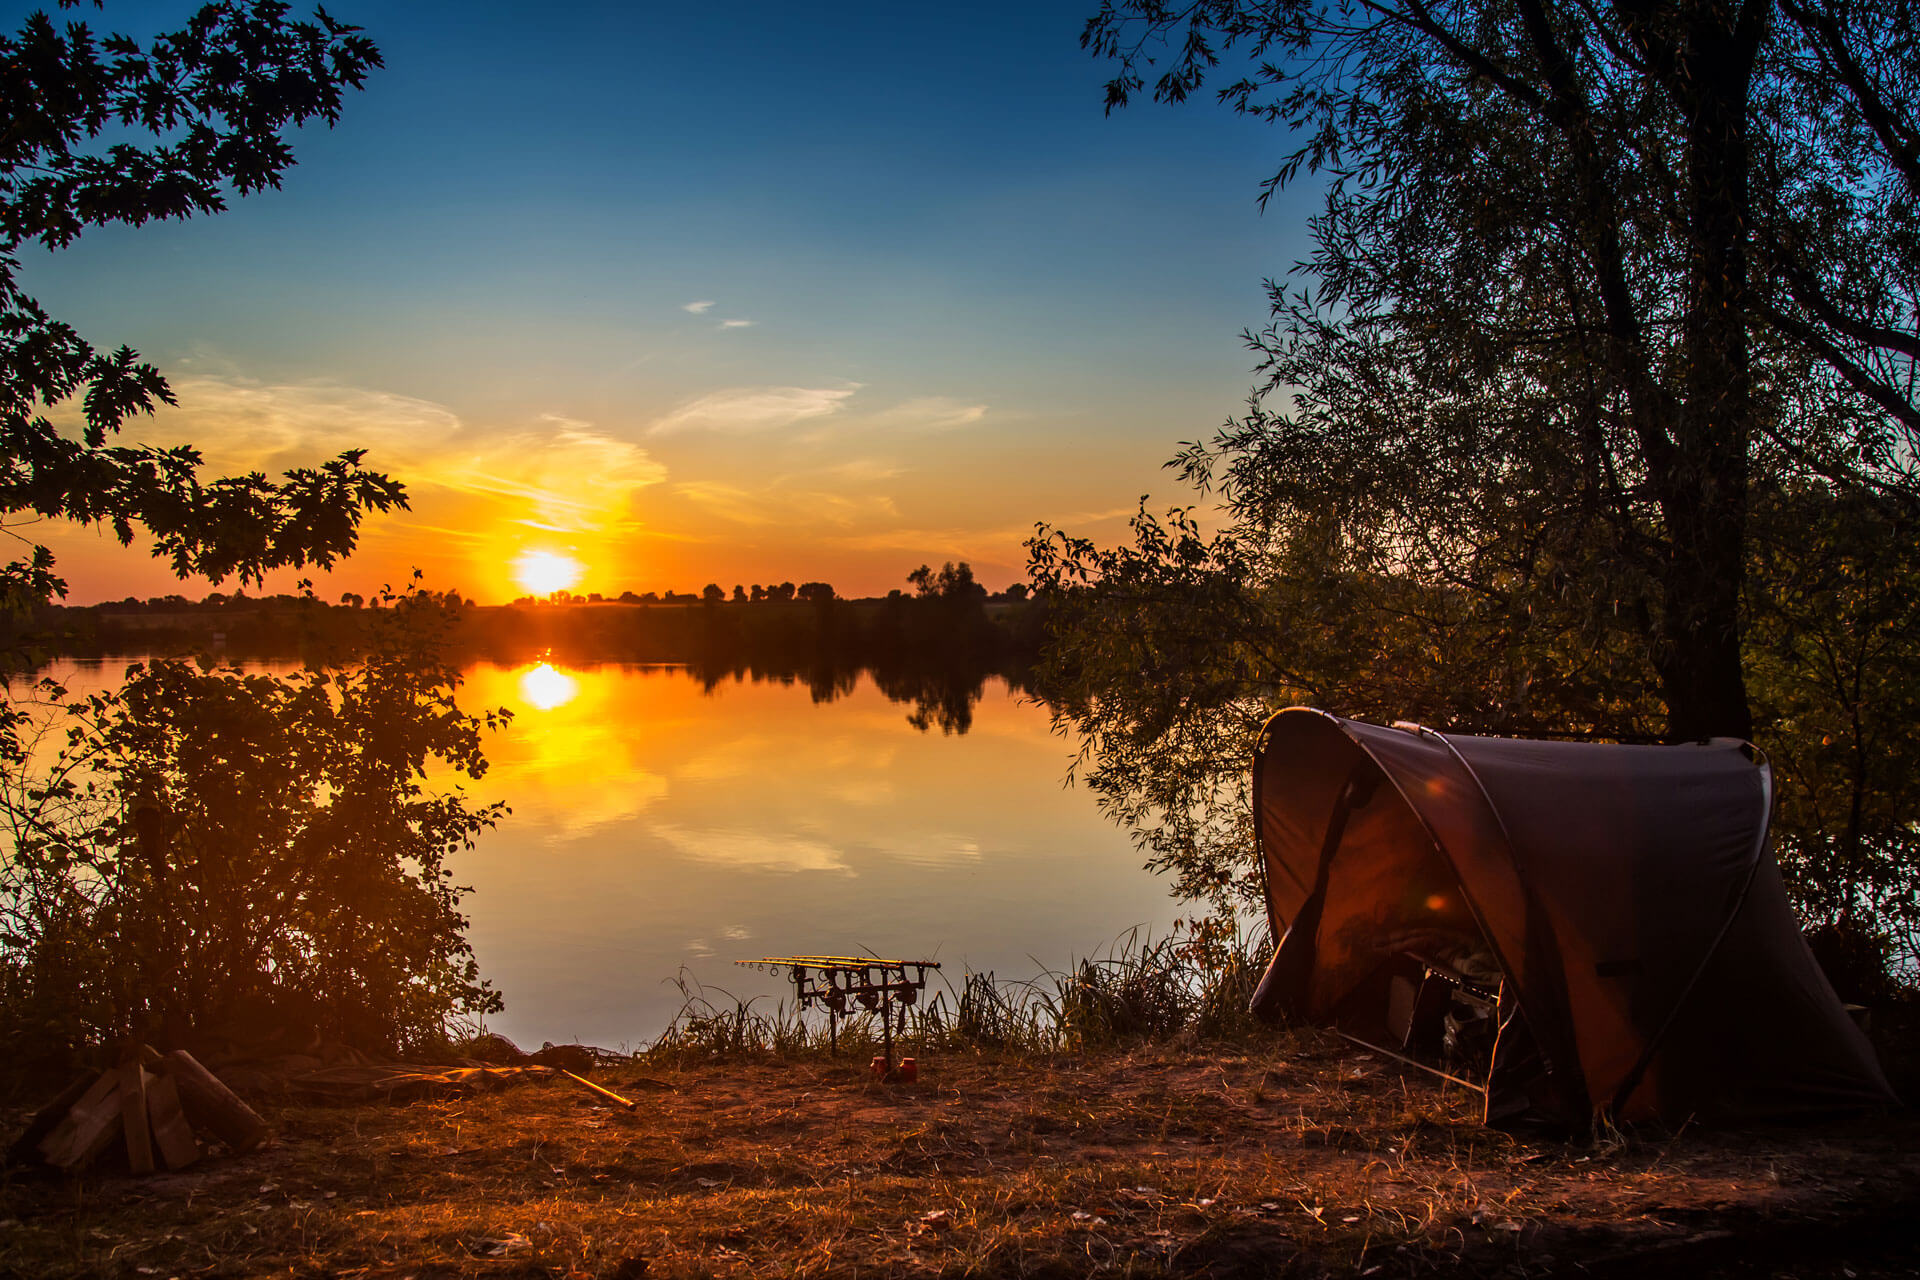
542	572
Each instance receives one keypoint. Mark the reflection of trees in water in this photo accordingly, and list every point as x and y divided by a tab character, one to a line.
942	698
933	652
938	695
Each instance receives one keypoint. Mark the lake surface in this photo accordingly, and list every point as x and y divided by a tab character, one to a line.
661	829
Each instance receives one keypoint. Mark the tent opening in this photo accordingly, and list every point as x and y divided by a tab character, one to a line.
1409	973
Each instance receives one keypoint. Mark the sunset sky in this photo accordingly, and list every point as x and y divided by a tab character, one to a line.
741	293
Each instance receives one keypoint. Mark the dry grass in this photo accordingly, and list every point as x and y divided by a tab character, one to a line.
1298	1156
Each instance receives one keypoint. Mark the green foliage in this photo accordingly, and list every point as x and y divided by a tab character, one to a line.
1592	411
205	852
202	850
1167	655
1835	657
1584	276
216	98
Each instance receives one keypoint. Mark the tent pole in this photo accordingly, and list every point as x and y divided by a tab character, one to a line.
1564	1066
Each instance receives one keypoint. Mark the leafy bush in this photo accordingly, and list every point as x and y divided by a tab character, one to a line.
208	854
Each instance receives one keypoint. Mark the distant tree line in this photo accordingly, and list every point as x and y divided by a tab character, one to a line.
944	617
950	579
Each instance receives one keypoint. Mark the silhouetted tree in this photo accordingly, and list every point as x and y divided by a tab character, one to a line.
953	582
215	100
1584	273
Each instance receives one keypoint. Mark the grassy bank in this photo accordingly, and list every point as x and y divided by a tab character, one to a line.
1290	1155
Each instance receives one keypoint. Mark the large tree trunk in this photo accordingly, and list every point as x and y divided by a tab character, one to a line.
1704	496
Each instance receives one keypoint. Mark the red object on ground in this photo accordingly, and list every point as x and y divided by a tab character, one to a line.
878	1066
909	1070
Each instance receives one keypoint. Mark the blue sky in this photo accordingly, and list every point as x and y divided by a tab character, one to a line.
743	293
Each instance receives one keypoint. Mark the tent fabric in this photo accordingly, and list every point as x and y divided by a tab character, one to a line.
1626	893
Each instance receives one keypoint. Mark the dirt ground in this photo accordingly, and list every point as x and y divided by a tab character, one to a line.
1306	1159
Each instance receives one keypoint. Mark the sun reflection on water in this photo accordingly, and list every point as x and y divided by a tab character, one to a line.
543	688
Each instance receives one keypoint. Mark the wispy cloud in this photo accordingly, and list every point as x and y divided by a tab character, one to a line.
238	422
916	416
559	472
736	324
928	414
742	410
572	479
699	308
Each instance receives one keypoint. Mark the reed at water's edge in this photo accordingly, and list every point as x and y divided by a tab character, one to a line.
1179	988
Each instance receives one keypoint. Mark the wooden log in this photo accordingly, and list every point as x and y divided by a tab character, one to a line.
133	1115
48	1118
171	1132
608	1094
211	1105
90	1124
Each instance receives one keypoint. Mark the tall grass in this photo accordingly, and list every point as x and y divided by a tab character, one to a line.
1188	986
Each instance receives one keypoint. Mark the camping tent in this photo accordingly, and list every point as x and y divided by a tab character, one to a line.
1579	928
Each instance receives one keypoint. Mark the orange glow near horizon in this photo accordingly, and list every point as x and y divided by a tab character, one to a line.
544	572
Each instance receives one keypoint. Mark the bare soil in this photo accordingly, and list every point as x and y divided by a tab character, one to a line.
1300	1158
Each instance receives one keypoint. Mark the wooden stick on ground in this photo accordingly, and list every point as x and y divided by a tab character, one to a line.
608	1094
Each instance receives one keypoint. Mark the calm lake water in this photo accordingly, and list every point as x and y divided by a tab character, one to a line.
662	830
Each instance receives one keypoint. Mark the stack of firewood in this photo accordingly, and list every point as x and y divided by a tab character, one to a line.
159	1105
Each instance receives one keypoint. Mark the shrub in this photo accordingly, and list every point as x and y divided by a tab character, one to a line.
207	851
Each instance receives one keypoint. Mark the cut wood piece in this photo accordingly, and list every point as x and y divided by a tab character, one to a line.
90	1125
48	1118
211	1105
133	1115
608	1094
171	1132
